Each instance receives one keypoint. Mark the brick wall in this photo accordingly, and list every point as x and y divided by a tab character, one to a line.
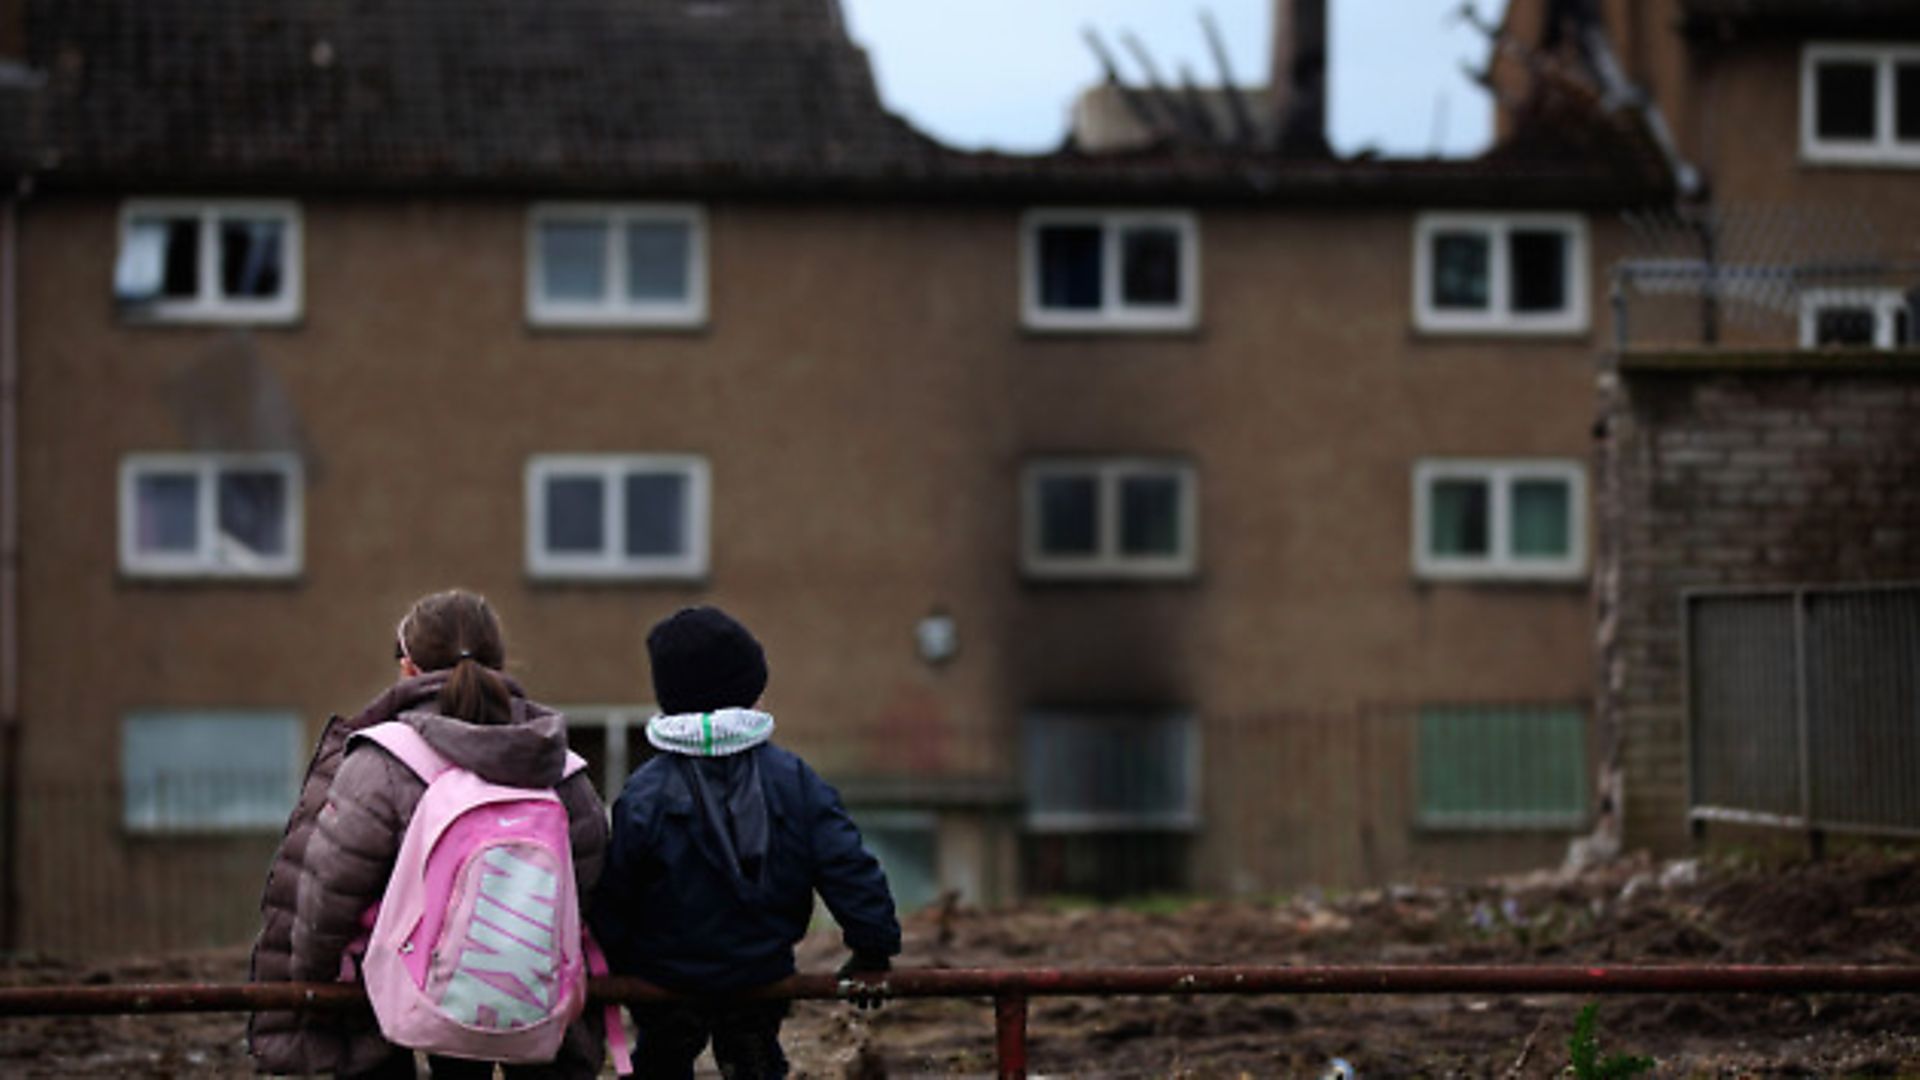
1725	473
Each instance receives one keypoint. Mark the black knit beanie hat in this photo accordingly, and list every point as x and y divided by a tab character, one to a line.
704	660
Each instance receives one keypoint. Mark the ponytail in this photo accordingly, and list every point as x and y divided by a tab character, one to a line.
475	693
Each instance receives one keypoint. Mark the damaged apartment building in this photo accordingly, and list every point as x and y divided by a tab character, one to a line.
1189	508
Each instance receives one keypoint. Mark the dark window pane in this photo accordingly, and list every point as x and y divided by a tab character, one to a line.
1108	771
656	514
1069	515
250	258
253	511
1843	326
1844	99
1902	325
1070	267
1150	515
1539	269
1906	102
1460	271
657	258
1150	266
573	261
181	278
1458	520
166	513
1542	519
576	515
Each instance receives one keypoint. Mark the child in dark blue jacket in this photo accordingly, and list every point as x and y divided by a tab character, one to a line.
719	843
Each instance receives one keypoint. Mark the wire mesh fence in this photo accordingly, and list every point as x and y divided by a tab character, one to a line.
1804	708
1102	804
1764	277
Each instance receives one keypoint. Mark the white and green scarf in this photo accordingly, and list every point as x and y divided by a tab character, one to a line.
710	734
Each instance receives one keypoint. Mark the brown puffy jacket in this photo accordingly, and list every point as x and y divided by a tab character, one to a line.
340	845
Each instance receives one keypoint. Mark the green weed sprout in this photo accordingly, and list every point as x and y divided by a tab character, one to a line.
1584	1051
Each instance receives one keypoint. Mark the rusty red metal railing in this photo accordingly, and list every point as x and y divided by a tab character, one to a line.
1011	989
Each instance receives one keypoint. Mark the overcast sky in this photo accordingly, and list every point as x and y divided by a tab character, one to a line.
1002	73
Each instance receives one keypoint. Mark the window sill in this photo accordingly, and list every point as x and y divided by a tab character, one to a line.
209	579
574	582
1088	331
1498	823
1108	578
162	834
1506	582
1429	334
613	327
1841	159
133	317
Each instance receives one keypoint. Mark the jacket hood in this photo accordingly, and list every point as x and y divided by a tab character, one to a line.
529	751
719	733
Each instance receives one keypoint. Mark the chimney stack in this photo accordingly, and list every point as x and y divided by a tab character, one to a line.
1298	78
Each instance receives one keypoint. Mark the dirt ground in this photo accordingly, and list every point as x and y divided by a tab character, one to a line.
1860	908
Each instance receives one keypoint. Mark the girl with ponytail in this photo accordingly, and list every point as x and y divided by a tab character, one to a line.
343	837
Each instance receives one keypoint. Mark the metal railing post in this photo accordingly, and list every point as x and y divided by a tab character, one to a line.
1010	1034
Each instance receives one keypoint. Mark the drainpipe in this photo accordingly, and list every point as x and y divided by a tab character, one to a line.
10	567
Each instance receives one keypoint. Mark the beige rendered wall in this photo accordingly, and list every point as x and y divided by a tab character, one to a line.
1749	125
865	397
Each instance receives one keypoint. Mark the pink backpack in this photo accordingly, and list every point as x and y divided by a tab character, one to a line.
477	949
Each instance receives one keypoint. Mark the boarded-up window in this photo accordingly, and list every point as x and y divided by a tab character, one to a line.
1500	766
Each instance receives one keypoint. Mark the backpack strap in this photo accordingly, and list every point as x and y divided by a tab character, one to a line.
406	744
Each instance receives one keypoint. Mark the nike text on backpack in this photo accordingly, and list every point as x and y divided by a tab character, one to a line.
476	949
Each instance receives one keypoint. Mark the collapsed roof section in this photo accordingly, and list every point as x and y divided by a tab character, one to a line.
702	98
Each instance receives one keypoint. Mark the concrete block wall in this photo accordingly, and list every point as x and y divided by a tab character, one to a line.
1733	475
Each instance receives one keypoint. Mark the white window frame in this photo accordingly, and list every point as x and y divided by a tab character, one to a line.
1113	315
1885	304
1184	818
1108	562
1499	316
615	309
612	564
208	305
150	820
1884	148
1499	564
210	559
614	720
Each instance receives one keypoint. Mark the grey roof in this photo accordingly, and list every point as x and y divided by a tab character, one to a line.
452	89
696	97
1796	17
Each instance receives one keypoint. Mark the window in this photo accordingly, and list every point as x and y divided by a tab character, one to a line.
611	266
210	515
1517	520
617	517
907	844
1492	767
1110	518
1500	273
1860	104
1861	318
1109	772
1095	270
209	770
613	739
229	262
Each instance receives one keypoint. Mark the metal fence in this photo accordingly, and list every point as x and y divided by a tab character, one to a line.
1102	804
1760	277
1011	990
1804	708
